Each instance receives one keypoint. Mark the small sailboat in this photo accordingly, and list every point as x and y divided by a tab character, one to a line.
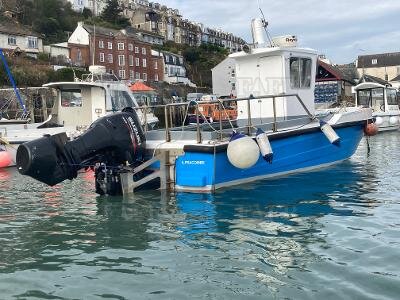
276	133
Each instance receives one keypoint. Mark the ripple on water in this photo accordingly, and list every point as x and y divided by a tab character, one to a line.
326	234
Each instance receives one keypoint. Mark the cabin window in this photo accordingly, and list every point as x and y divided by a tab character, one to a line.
391	97
120	100
300	72
71	98
363	97
377	97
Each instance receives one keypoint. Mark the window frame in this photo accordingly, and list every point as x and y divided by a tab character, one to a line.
12	37
121	62
299	84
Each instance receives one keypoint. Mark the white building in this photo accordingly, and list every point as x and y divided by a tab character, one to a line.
174	69
224	78
96	6
15	38
57	50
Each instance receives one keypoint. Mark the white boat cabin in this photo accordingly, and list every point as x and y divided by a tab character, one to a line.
379	97
83	102
280	68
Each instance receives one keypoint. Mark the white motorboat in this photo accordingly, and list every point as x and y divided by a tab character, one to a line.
77	105
383	101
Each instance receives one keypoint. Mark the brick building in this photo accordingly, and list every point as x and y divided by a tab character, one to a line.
120	51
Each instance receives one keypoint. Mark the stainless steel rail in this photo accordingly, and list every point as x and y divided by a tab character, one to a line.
168	107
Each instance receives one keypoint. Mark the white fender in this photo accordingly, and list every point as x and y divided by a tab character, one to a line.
330	134
264	145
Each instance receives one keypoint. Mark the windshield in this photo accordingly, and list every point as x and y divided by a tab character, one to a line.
120	100
391	97
71	98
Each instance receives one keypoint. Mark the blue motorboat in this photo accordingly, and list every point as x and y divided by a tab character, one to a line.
276	133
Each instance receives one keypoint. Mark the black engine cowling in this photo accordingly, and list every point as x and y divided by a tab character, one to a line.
108	144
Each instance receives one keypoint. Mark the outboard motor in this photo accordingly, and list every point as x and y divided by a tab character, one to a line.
108	144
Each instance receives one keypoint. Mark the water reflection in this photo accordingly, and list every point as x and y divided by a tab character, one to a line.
241	240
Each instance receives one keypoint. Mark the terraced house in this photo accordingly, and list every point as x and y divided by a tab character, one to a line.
120	51
16	39
170	24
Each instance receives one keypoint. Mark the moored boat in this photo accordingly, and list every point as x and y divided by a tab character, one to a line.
76	106
276	133
383	100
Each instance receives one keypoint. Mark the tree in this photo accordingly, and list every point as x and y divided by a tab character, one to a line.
87	13
112	14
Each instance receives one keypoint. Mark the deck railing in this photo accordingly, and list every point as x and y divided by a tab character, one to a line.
169	108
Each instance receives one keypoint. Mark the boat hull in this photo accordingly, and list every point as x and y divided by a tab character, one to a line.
199	171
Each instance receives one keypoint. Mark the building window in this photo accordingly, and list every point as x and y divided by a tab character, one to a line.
137	75
144	76
131	60
144	51
121	74
101	57
12	40
131	75
374	61
109	44
155	65
101	44
130	47
121	46
136	49
32	42
144	62
137	60
79	55
110	58
121	60
156	77
300	72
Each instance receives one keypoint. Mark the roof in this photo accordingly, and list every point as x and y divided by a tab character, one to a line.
397	78
60	45
369	78
332	73
382	60
139	86
141	31
9	26
100	30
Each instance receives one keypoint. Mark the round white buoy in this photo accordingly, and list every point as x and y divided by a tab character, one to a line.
243	151
393	120
379	121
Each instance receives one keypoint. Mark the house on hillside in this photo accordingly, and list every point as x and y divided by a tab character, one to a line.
16	39
174	67
385	66
120	51
58	53
332	86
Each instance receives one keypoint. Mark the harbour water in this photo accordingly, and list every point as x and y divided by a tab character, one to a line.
329	234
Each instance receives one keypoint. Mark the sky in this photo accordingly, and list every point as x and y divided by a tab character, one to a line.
340	29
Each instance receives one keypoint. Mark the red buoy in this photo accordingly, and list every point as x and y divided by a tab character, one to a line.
5	159
371	129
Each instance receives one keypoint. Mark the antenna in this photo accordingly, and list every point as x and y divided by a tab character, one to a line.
265	23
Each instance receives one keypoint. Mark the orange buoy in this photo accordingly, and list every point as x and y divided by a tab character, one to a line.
371	129
5	159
